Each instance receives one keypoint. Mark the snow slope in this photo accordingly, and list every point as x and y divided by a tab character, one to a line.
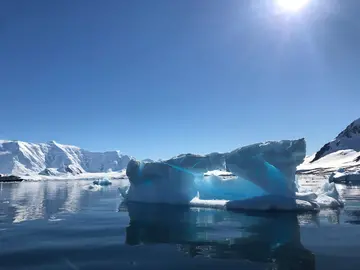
342	152
21	158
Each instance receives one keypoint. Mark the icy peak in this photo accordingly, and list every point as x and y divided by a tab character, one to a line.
19	158
352	130
348	139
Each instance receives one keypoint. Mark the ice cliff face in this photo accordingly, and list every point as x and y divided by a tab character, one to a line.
21	158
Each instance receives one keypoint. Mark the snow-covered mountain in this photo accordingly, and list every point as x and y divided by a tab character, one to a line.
342	152
20	158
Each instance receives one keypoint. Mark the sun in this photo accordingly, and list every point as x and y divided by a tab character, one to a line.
291	5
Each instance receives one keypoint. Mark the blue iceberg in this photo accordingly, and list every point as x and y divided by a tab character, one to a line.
258	177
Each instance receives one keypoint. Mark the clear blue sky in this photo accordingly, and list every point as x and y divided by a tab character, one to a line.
158	78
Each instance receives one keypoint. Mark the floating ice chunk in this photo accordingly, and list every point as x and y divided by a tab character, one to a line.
307	196
102	182
345	177
272	203
328	196
256	177
220	204
329	189
325	201
123	191
94	187
98	184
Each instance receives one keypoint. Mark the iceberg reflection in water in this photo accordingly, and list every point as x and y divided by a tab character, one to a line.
262	237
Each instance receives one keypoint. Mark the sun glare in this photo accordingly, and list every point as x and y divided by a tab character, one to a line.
291	5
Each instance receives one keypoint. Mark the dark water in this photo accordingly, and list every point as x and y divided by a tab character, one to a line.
64	225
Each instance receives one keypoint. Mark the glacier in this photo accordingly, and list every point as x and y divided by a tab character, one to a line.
53	159
257	177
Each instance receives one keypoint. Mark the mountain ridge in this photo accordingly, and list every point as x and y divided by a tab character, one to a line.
342	152
349	138
20	158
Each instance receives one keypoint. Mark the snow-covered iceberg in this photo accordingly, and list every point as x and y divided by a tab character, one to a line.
256	177
326	195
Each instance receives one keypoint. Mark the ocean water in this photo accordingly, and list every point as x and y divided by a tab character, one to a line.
66	225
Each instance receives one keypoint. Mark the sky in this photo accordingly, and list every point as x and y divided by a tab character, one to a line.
158	78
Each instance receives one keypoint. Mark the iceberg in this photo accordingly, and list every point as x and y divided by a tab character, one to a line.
98	184
102	182
326	195
342	176
256	177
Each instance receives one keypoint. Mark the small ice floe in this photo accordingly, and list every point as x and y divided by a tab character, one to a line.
54	219
99	184
327	196
102	182
347	177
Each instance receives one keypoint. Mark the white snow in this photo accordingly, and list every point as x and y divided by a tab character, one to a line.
196	202
342	152
331	162
83	176
218	173
257	203
349	138
22	158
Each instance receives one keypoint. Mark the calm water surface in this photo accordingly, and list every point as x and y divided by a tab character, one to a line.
64	225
